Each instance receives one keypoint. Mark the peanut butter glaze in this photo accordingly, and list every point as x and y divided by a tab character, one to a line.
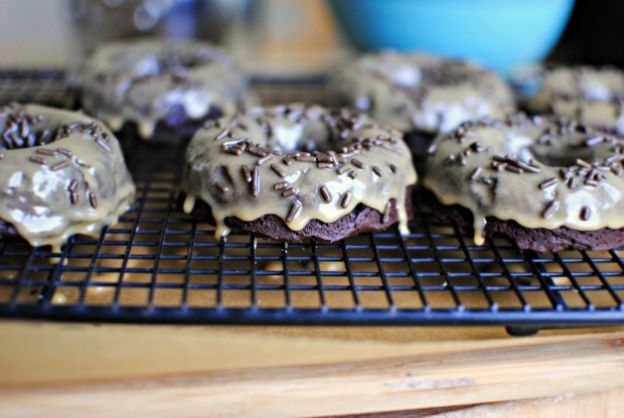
423	92
593	96
142	81
62	173
297	162
542	172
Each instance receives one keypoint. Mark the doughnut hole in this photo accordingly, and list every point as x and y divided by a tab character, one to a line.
564	156
320	132
314	135
175	64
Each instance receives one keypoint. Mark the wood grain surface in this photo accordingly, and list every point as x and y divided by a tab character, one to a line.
87	370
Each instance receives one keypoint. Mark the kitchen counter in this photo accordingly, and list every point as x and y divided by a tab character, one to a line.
60	369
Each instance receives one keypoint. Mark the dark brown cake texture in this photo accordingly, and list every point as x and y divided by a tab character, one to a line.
536	239
361	219
176	126
7	230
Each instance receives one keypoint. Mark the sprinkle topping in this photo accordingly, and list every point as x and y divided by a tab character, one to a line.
294	211
325	194
346	199
278	170
338	149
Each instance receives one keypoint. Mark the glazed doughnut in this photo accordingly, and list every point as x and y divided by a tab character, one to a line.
546	182
593	96
422	95
160	89
61	173
298	172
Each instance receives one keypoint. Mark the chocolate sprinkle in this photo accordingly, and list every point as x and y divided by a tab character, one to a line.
513	169
289	192
246	173
234	150
295	210
46	151
346	198
550	209
342	169
527	167
278	170
37	160
102	144
60	165
254	150
73	185
82	163
325	165
92	200
547	183
585	213
475	173
610	159
357	163
256	182
280	185
324	158
325	194
594	140
306	158
65	152
222	187
242	143
73	198
264	159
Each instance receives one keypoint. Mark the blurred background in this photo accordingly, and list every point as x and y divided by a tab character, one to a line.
309	36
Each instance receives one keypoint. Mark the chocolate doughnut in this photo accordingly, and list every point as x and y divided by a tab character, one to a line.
548	183
298	172
422	95
61	173
593	96
159	89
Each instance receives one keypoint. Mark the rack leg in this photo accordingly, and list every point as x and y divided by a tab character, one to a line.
521	331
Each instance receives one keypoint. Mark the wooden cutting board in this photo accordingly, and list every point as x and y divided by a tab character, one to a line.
56	369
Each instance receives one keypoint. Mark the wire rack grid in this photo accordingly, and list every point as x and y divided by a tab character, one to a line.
160	265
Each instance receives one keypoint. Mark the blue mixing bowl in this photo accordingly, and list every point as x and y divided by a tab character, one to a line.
500	34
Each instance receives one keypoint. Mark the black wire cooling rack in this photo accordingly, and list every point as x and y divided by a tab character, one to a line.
160	265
